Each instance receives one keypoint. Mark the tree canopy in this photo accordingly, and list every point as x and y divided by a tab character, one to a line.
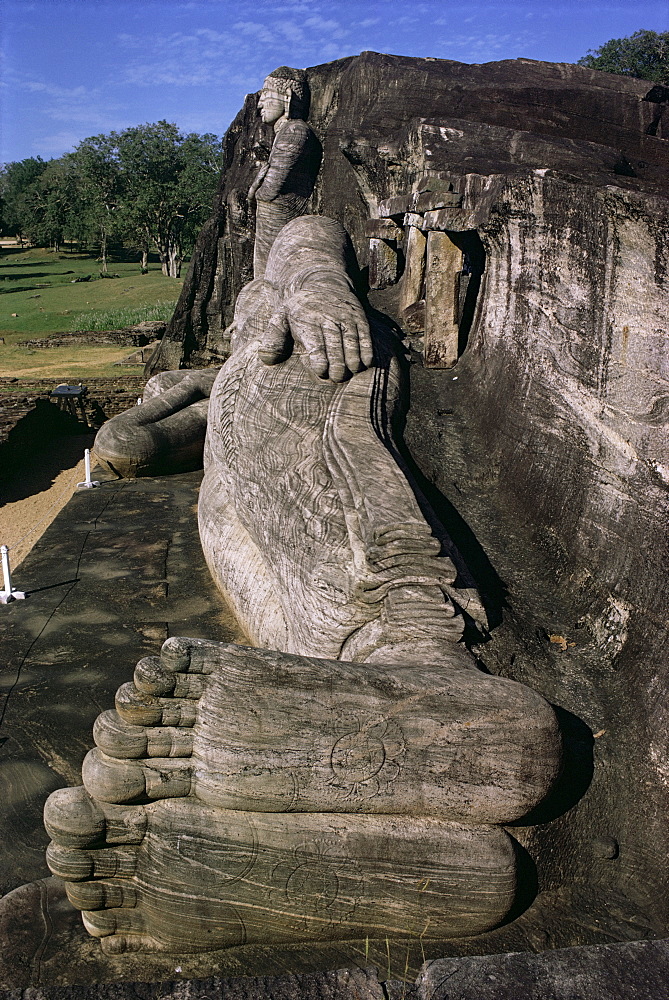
16	179
645	54
150	185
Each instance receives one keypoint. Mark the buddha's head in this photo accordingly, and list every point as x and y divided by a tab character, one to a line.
283	95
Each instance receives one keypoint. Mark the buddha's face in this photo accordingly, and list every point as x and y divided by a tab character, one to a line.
271	105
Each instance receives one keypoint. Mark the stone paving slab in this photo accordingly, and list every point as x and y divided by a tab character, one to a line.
341	984
635	970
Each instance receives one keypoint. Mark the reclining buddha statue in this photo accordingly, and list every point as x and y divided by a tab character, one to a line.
346	773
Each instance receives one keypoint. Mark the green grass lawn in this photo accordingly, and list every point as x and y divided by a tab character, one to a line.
36	285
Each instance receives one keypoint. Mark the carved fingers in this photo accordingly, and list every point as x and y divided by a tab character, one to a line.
330	331
277	343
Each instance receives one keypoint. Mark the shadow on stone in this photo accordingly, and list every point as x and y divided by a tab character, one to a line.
577	770
527	884
493	590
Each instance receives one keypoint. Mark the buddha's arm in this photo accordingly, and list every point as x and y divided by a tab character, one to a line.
288	147
259	178
163	435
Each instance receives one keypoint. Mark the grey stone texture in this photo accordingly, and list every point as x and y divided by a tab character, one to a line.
165	433
283	186
239	795
633	971
341	984
369	111
544	448
443	265
307	521
288	153
116	573
53	705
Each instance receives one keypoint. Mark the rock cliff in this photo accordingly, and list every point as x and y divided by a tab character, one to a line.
539	395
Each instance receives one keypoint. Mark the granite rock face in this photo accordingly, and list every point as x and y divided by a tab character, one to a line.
543	446
507	117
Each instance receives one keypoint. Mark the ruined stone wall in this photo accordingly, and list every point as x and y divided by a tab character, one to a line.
28	418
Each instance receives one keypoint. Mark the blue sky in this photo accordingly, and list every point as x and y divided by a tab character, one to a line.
76	68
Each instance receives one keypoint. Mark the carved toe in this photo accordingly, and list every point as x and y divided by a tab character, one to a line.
151	677
73	819
122	944
113	780
76	865
141	709
186	655
101	923
101	895
122	740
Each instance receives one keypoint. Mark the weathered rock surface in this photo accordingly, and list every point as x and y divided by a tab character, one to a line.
367	739
139	335
639	969
165	433
544	448
541	448
353	800
115	573
508	117
144	532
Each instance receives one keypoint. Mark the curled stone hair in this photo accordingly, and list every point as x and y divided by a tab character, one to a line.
286	79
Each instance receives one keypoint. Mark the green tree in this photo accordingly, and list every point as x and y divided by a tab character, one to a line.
16	180
169	183
50	203
149	185
645	54
99	190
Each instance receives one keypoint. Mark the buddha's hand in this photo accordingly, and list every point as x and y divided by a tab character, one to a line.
328	328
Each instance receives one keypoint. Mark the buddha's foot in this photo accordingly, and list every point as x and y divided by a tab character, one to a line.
181	876
249	729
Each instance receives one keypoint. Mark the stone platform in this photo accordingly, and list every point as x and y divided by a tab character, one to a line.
117	572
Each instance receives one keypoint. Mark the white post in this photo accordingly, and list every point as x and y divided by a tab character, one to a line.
8	594
139	400
7	576
88	484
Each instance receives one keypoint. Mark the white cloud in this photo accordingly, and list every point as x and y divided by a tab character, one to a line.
254	29
74	106
53	145
66	93
290	30
248	49
331	52
482	47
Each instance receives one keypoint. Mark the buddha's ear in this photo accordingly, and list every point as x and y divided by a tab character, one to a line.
290	103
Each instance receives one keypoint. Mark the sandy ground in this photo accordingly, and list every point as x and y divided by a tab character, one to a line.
37	492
